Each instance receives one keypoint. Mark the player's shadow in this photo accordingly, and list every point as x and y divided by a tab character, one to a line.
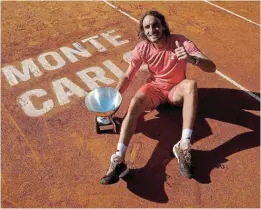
226	105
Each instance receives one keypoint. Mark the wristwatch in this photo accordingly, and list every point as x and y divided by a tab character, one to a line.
196	59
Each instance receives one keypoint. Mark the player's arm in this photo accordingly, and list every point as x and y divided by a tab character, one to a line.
127	77
124	81
203	62
192	55
134	66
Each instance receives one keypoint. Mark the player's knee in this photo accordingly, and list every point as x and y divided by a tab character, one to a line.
190	86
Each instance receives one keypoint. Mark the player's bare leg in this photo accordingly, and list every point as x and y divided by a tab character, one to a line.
118	168
185	94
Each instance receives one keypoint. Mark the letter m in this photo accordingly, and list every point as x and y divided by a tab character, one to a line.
13	75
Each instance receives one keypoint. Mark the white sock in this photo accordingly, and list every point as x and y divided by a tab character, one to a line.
186	136
121	150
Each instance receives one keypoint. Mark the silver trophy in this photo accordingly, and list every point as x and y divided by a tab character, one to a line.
104	102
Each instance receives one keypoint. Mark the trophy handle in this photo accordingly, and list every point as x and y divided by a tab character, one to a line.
113	124
98	130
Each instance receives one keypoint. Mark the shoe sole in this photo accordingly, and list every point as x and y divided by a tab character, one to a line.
176	155
124	173
175	152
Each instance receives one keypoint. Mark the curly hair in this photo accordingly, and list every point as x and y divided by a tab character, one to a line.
158	15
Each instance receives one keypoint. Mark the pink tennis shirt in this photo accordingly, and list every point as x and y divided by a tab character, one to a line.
164	66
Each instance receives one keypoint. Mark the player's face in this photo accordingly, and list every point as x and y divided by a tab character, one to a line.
153	28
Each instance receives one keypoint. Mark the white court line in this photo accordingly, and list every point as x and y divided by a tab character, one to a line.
115	7
217	72
244	18
237	85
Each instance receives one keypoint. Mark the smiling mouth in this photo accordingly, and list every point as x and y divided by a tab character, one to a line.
154	36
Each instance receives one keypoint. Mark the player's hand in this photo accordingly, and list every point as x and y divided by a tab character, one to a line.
182	54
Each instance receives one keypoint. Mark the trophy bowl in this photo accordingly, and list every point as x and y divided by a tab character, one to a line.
104	102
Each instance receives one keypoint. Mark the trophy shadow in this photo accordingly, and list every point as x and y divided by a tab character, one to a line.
225	105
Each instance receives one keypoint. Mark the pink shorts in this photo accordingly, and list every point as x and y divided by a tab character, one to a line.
158	93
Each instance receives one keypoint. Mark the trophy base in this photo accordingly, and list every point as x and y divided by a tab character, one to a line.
106	125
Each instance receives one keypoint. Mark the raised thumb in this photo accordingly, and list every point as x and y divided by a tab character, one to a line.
177	43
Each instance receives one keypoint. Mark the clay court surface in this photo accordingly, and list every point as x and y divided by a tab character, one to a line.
51	155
